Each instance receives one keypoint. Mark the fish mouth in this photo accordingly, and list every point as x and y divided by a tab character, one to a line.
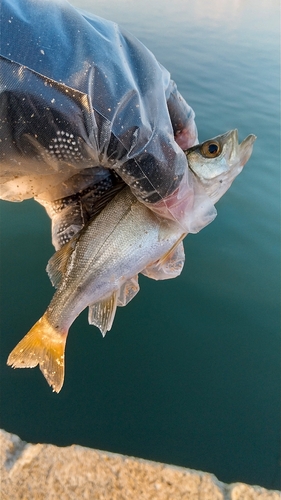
238	153
230	136
218	161
229	147
246	148
235	153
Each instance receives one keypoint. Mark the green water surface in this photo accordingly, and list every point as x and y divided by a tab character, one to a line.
190	373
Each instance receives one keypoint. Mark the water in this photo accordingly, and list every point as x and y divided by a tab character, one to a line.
190	373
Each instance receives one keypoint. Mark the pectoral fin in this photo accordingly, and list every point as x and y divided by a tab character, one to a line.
169	266
101	314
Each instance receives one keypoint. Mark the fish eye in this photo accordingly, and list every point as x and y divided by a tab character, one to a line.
210	149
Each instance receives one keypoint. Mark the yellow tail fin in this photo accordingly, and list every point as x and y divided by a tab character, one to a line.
45	346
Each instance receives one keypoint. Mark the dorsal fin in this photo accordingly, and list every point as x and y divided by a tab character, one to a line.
57	265
101	314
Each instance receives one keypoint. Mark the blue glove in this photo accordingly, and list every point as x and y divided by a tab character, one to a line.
86	107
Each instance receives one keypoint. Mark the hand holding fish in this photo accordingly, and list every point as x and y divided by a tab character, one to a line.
81	116
96	131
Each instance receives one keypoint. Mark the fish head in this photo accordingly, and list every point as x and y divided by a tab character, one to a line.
218	161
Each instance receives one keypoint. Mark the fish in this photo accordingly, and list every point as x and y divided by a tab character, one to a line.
99	267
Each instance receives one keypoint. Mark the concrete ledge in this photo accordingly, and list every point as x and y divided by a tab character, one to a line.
47	472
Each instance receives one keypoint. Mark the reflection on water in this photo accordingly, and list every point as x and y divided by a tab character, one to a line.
190	372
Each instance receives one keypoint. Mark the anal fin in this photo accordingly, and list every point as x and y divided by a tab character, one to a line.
101	314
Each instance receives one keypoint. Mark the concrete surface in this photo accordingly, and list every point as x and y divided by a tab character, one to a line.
47	472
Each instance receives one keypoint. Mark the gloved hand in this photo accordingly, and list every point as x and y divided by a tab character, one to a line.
81	101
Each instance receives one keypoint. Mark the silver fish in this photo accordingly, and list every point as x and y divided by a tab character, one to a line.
99	266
